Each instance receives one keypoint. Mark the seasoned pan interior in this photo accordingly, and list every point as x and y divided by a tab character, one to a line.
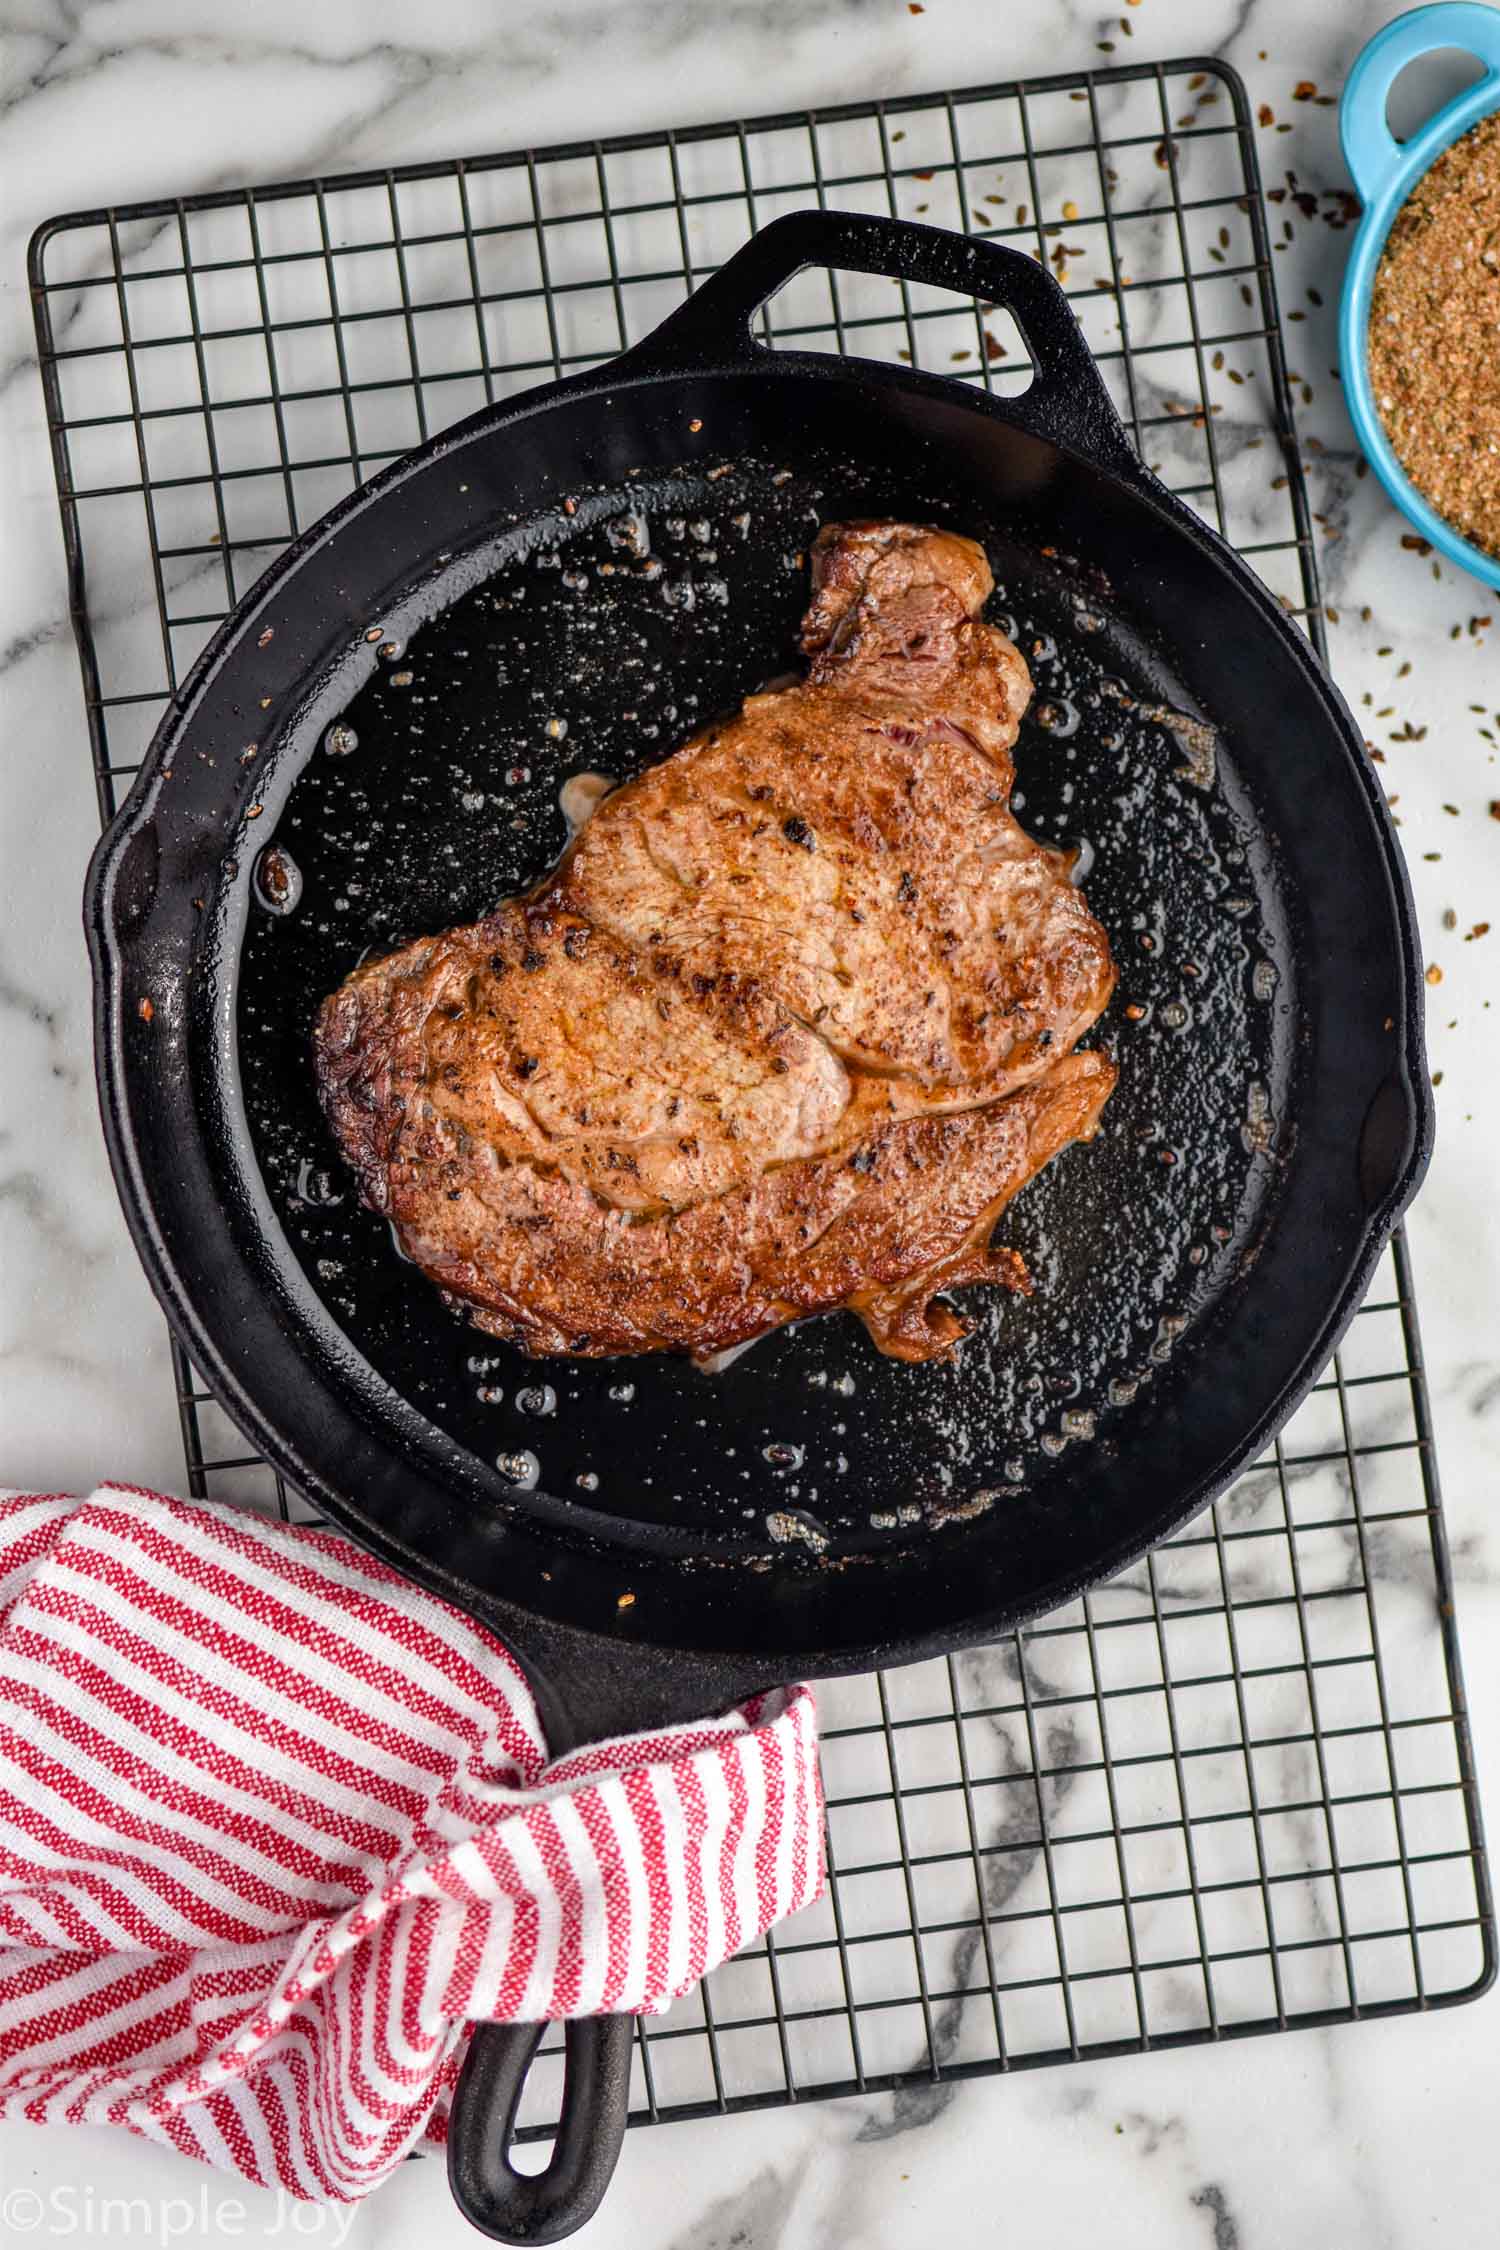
605	639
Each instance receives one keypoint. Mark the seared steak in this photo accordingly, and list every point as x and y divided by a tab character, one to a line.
786	1030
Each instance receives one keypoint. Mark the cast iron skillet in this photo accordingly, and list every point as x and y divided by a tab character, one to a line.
573	579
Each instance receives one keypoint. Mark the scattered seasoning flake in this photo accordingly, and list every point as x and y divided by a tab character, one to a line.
1434	973
1070	210
1480	929
1304	90
1434	315
146	1009
915	8
1265	115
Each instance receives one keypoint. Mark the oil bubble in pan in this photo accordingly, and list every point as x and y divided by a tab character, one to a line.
596	657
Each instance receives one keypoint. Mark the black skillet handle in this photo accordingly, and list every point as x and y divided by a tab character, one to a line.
1066	403
524	2207
588	1688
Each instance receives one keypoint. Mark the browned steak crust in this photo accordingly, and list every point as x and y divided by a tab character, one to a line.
787	1029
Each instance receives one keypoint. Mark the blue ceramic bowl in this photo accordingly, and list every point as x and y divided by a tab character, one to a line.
1385	172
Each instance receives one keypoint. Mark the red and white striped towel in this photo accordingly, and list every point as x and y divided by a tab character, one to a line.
275	1825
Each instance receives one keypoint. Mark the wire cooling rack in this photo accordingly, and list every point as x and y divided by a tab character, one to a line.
1231	1791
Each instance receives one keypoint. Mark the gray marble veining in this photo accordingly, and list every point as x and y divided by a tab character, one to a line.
1381	2135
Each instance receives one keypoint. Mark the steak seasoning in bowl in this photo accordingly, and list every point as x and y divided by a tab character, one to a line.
1419	323
1435	335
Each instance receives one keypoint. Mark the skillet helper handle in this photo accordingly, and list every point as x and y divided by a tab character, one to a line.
546	2206
1066	403
1371	152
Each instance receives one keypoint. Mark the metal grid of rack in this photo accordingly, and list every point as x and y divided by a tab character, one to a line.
1231	1791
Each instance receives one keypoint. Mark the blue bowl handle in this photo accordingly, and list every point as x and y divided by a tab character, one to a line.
1371	154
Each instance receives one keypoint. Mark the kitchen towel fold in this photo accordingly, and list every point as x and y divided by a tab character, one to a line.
275	1826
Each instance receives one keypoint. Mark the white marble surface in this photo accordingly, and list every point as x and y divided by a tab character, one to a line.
1381	2135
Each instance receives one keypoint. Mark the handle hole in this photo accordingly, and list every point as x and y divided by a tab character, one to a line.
940	330
542	2099
530	2158
1428	84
